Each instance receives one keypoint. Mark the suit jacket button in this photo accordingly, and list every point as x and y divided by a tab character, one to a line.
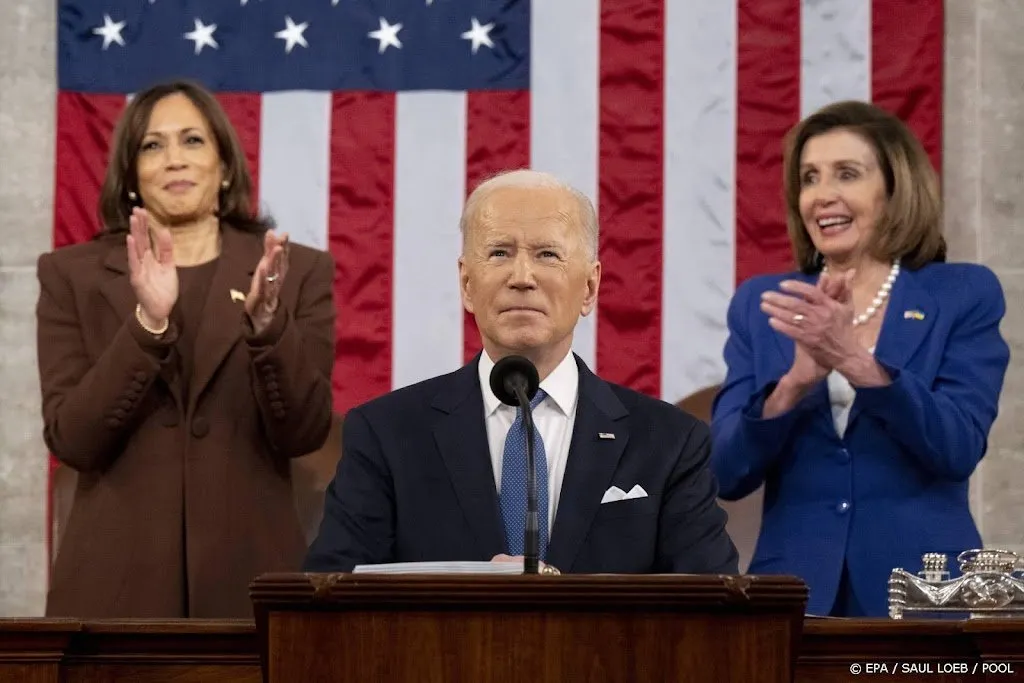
200	427
842	507
277	407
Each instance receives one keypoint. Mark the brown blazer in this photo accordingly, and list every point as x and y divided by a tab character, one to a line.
181	500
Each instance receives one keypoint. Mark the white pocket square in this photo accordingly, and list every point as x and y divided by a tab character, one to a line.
615	494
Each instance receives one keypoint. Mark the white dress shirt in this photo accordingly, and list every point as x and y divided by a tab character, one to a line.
553	419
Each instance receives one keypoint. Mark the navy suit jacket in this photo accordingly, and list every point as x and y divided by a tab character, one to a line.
895	486
415	483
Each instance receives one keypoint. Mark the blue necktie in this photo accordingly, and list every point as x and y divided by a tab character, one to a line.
513	484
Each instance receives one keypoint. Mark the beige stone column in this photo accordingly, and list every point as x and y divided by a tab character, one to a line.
983	182
27	91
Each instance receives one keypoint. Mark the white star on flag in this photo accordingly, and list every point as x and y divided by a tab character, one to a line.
292	34
480	35
202	36
387	35
111	31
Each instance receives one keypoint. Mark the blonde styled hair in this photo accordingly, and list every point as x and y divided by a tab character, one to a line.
911	225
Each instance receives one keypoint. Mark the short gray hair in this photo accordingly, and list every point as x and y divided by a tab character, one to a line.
529	178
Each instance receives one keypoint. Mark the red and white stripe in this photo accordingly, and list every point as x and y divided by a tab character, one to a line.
670	117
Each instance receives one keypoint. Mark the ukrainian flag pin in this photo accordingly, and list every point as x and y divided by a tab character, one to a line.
913	315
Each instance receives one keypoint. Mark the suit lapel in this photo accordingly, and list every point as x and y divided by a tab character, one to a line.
908	320
591	464
220	325
461	437
118	290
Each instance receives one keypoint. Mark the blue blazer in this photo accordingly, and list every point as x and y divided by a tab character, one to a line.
415	483
896	485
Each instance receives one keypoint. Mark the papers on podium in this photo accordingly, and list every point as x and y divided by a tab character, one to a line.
441	568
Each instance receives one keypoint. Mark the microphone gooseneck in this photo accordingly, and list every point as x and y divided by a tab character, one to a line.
515	381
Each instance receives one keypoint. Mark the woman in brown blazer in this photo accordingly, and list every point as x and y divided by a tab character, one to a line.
185	356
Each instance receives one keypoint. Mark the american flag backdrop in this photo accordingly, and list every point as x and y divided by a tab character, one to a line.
367	122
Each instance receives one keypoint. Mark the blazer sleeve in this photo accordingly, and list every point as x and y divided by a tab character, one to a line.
358	524
90	407
744	444
291	366
693	538
945	425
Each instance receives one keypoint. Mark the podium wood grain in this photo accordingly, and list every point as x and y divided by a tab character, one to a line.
506	629
136	651
58	650
31	650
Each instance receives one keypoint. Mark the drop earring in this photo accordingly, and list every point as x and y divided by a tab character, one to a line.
132	197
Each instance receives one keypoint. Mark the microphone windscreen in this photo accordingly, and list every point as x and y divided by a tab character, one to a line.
510	371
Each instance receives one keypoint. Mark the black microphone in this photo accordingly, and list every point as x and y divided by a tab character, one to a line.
514	380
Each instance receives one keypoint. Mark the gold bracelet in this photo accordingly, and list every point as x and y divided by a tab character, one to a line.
147	328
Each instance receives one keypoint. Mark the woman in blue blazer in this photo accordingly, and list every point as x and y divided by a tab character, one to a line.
861	389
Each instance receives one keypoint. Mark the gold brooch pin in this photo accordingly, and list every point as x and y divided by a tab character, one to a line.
237	296
913	315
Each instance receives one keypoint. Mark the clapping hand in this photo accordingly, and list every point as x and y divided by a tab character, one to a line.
267	280
152	272
818	318
808	315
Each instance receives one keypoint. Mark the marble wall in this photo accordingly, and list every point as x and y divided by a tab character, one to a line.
27	99
983	179
984	189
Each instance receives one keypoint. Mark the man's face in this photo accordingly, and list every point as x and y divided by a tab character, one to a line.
525	272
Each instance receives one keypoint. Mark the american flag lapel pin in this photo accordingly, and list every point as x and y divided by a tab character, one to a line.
605	435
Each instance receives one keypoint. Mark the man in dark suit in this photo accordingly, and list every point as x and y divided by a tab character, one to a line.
436	471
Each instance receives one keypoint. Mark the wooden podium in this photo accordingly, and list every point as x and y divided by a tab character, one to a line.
462	628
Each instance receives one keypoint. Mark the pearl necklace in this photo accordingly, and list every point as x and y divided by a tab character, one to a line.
880	297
